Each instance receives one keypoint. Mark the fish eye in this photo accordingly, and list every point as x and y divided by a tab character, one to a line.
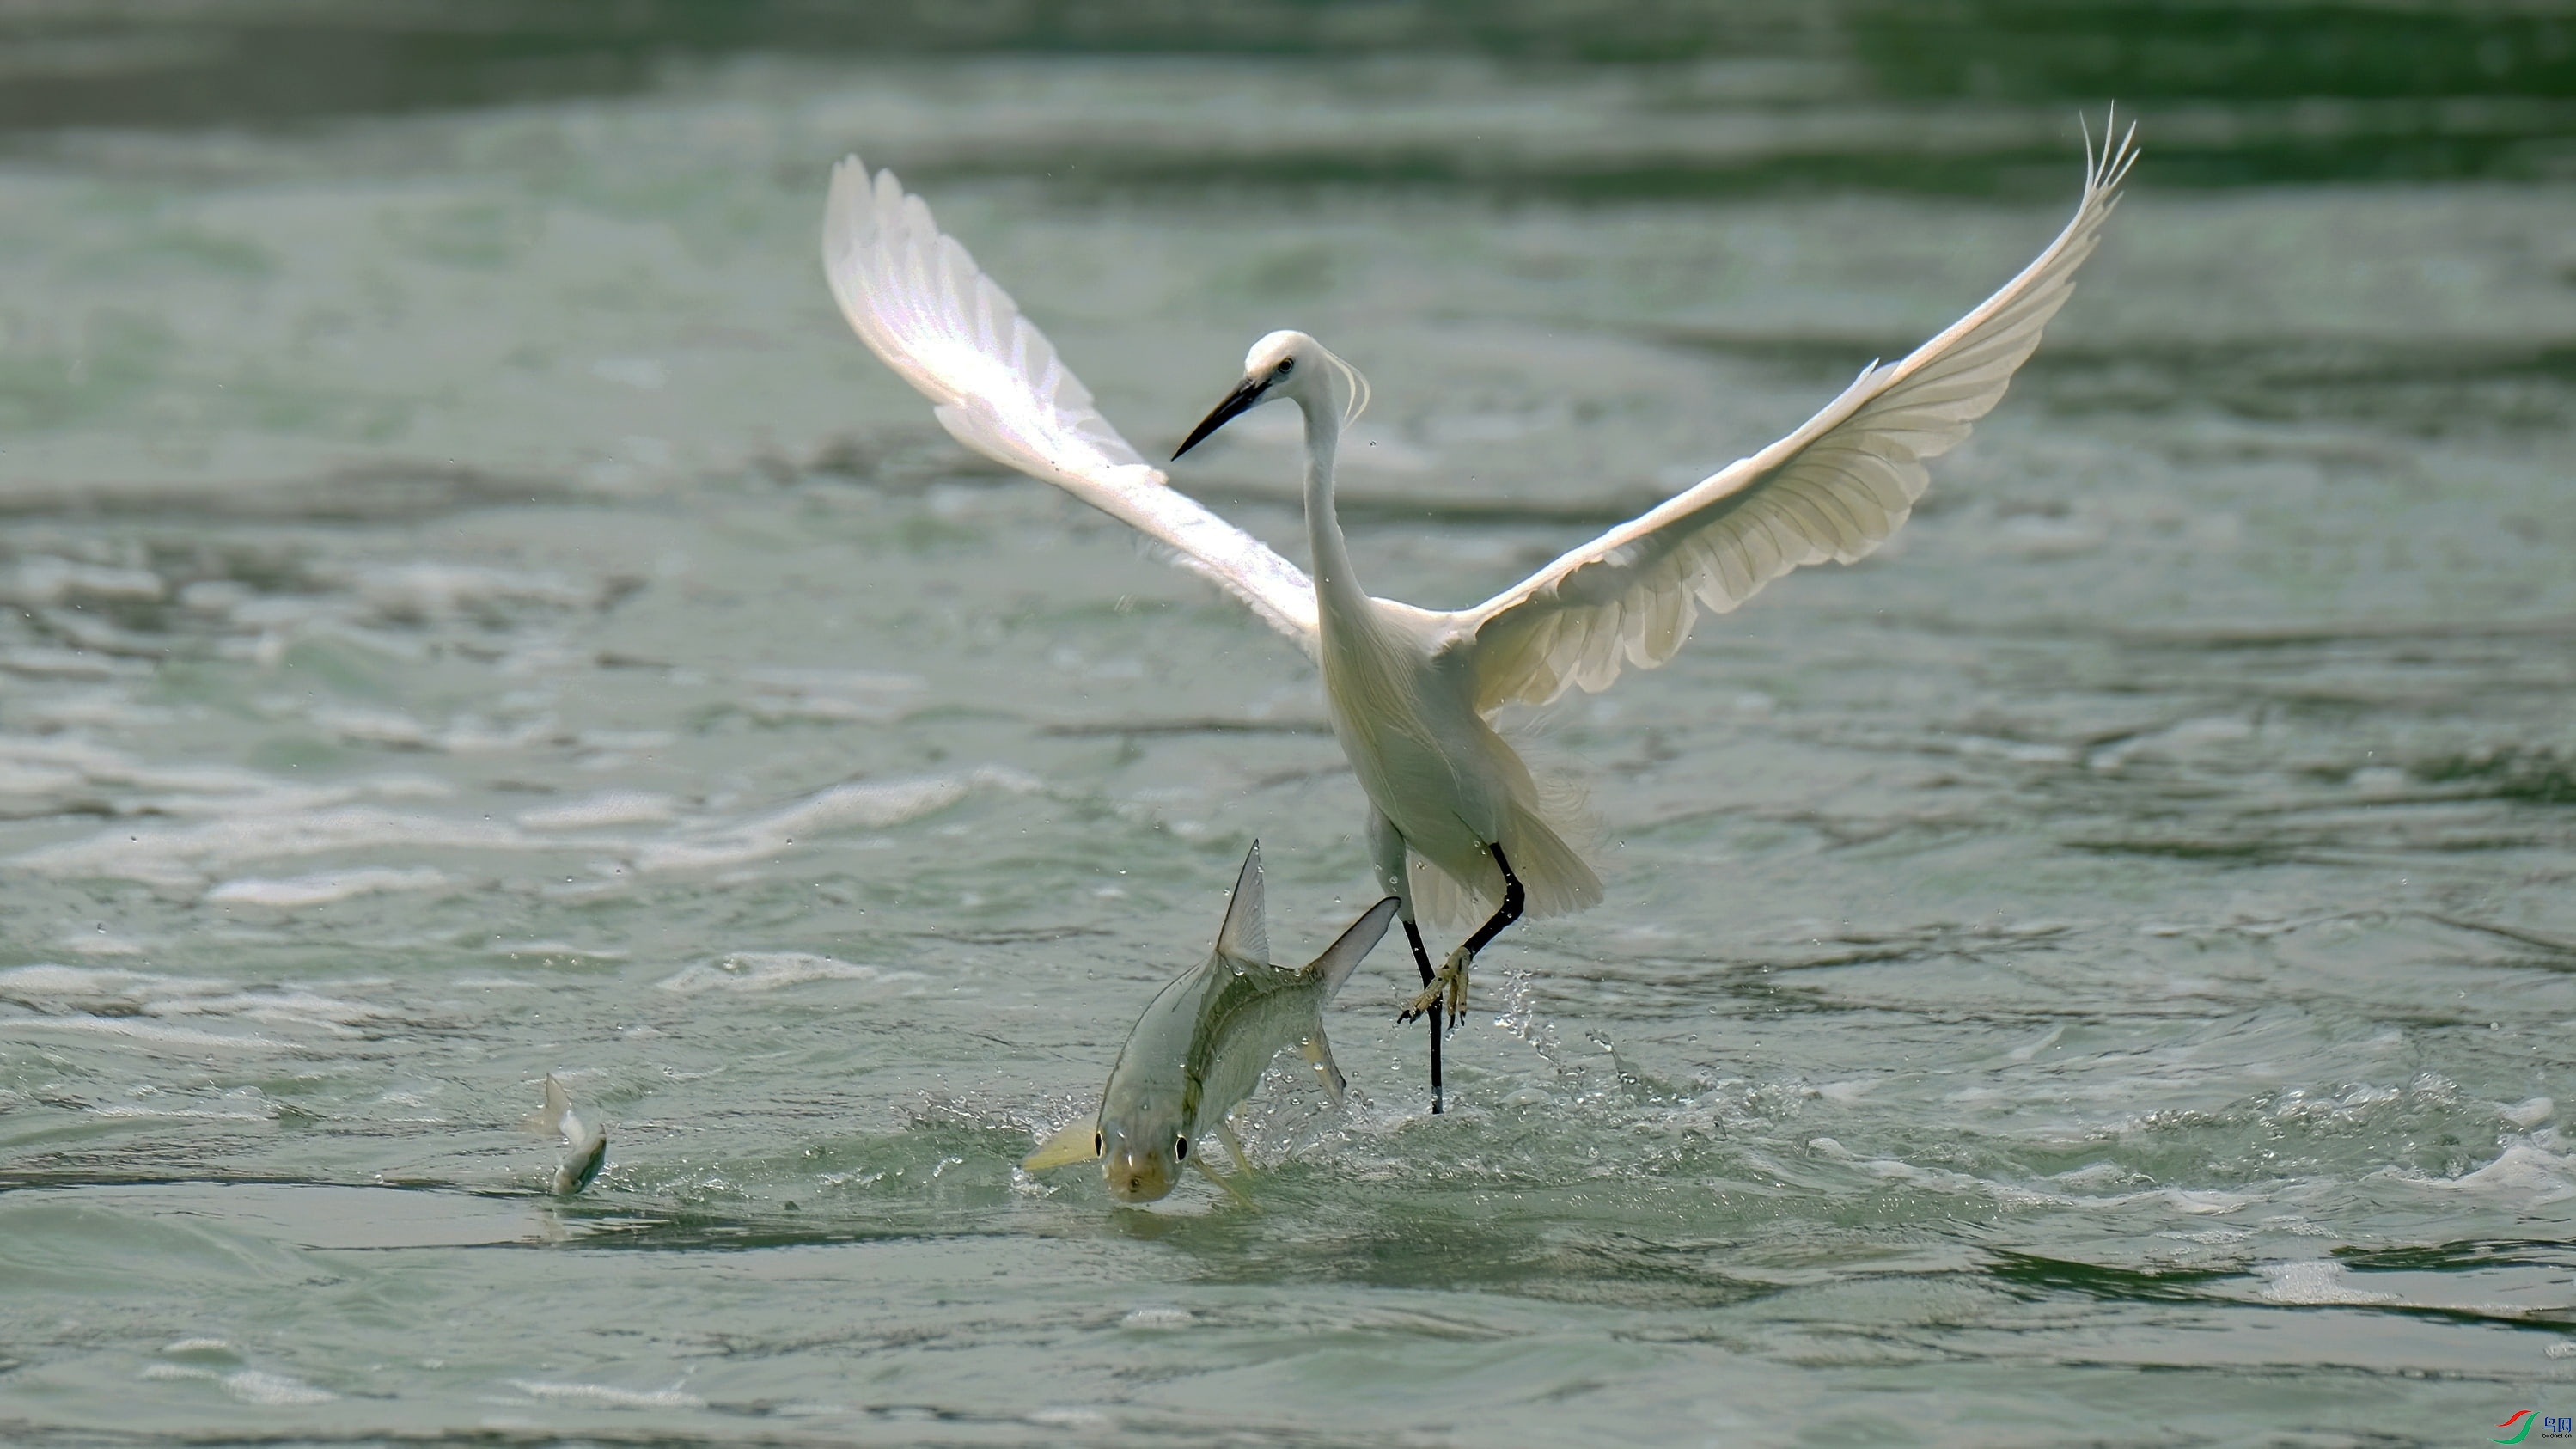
1181	1148
1099	1144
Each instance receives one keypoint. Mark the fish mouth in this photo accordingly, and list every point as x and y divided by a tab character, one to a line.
1137	1179
1246	394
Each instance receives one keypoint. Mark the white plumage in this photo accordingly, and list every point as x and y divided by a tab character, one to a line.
1410	689
916	298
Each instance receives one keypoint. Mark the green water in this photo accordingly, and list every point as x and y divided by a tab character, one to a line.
2097	972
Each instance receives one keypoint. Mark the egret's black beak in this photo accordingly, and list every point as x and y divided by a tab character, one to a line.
1245	394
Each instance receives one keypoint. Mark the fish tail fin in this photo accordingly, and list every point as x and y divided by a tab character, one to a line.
1319	1052
1344	956
1076	1141
1242	937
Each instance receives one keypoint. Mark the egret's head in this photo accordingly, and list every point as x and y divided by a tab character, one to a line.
1287	365
1141	1152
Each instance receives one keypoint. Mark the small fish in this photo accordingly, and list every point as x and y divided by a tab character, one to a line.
1201	1048
585	1143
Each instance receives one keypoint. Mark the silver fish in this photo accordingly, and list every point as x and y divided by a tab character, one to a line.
1202	1046
585	1142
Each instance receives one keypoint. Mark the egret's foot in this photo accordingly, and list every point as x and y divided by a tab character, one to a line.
1448	989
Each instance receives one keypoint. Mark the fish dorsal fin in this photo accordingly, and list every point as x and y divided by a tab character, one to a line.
1344	956
1242	937
550	1120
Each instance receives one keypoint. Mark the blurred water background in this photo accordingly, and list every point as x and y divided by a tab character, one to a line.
2097	972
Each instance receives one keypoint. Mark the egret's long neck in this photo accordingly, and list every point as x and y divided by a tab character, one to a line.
1337	589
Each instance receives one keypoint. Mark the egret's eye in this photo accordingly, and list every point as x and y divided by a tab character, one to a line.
1099	1144
1286	366
1181	1148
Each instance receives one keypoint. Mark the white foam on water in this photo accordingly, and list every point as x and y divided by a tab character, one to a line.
860	805
827	708
2205	1202
2530	1112
241	1104
1158	1319
256	1386
47	983
112	708
596	812
302	1008
770	970
138	994
548	951
373	726
437	590
860	696
38	662
139	1031
2525	1167
323	888
2093	1174
603	1396
127	1110
44	579
22	777
2313	1281
864	805
467	735
271	797
186	855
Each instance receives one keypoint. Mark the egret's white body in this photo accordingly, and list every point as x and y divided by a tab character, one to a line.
1412	690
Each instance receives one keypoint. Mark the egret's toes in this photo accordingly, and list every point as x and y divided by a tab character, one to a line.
1415	1007
1448	989
1452	975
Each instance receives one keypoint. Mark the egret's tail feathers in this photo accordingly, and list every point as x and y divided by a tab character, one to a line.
1076	1141
1554	877
1558	880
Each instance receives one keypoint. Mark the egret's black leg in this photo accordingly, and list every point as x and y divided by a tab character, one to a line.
1513	898
1451	979
1422	959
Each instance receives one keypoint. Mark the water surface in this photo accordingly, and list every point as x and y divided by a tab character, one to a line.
2098	971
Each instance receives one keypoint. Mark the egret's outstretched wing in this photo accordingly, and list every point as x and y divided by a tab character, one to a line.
917	299
1834	489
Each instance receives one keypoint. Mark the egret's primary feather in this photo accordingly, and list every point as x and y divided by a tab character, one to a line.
1834	489
916	297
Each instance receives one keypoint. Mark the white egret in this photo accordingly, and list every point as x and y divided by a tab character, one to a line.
1456	821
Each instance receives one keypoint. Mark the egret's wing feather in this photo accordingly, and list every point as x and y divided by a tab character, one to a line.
1834	489
916	297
